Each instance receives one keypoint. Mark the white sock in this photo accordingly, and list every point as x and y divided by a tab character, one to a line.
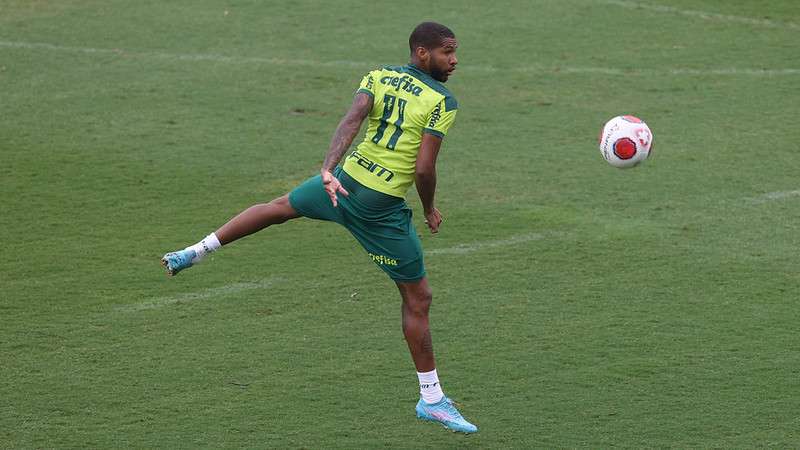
429	388
209	244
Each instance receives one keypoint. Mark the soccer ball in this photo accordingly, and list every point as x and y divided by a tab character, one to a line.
625	141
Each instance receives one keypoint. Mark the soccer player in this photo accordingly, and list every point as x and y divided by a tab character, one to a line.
409	112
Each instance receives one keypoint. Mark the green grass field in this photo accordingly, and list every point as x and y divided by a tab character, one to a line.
575	305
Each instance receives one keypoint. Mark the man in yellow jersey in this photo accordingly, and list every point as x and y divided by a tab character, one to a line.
409	112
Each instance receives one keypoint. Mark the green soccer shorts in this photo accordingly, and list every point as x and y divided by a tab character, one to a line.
380	222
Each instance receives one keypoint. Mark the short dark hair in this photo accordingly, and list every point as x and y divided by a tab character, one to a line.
428	35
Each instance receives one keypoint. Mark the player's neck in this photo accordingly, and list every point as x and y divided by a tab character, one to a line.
419	66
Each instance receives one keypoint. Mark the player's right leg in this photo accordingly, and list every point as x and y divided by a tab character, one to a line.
433	405
383	226
249	221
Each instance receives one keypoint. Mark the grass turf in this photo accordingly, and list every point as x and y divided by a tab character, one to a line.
575	305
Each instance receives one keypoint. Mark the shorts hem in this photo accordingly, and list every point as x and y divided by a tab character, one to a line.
294	206
408	279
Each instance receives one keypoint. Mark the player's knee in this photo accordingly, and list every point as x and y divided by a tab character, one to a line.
426	296
420	302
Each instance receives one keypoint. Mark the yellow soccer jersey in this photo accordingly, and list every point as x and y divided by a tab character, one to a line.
407	102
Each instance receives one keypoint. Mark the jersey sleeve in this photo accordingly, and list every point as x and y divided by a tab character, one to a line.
367	85
441	117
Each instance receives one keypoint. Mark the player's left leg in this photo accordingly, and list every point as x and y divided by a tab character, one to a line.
309	199
249	221
256	218
433	405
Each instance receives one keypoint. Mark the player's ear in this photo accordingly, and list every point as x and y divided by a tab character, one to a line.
422	54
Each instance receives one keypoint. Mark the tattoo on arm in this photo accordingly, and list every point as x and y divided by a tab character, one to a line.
342	138
347	130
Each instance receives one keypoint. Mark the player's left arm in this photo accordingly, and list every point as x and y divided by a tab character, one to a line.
342	138
425	179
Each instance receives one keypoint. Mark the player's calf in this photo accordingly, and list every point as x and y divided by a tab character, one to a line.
249	221
256	218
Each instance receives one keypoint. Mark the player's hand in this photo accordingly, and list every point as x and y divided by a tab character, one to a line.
332	186
433	219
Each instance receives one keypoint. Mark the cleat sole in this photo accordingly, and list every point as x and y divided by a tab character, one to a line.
165	265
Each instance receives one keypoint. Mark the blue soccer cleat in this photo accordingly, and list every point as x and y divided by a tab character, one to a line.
444	412
174	262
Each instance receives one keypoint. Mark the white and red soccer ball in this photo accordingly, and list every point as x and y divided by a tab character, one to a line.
625	141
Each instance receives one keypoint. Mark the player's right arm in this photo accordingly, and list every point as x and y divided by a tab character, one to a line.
439	121
342	138
425	179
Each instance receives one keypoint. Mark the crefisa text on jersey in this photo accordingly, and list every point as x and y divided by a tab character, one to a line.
405	82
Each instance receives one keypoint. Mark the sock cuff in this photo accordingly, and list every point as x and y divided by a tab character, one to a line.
211	243
431	378
429	387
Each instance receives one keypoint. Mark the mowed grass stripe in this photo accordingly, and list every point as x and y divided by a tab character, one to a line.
705	15
774	196
465	248
205	294
535	69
